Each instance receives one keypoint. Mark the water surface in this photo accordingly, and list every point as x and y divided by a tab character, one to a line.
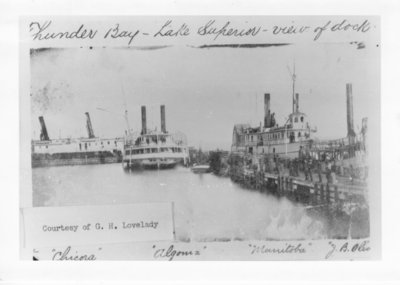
207	207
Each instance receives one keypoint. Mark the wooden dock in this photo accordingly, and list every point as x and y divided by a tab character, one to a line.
311	193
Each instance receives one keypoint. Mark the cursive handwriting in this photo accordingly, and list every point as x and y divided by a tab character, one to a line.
116	32
66	255
286	249
167	30
347	247
289	30
226	31
39	32
45	31
171	253
345	25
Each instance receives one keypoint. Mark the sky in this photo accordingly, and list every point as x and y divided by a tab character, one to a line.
206	91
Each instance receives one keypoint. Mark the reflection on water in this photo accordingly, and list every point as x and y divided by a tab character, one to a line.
207	207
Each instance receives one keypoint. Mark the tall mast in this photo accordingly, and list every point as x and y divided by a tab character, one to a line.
293	80
126	109
127	121
293	76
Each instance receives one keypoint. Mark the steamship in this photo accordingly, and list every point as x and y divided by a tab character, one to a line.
75	151
287	141
295	137
152	149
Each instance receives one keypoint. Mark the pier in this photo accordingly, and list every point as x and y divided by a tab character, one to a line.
320	189
336	193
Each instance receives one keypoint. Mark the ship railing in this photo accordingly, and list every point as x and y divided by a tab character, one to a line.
177	138
337	143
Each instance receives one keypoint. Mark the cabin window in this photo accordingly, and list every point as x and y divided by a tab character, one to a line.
296	119
301	118
273	150
250	150
299	134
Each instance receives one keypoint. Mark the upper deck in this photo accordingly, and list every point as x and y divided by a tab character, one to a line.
155	139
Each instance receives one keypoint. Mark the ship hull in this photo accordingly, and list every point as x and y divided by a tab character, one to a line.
288	150
155	150
153	163
75	158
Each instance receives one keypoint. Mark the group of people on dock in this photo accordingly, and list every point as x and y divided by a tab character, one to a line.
321	170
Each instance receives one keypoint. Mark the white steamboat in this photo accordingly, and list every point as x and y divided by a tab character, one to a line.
152	149
286	141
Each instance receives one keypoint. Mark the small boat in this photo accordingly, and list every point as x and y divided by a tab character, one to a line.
204	168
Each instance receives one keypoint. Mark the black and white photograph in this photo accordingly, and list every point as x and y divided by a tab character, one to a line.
201	138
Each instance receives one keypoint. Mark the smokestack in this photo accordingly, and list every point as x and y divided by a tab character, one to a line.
297	102
44	136
350	118
267	111
163	126
89	127
144	127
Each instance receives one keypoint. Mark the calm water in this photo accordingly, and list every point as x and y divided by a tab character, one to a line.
207	207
